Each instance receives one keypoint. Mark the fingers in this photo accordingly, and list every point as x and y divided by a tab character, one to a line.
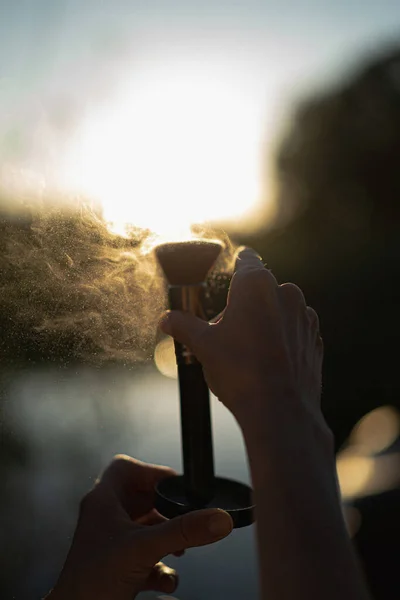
190	330
251	280
292	295
162	579
125	473
294	300
247	259
188	531
249	262
133	482
153	517
185	328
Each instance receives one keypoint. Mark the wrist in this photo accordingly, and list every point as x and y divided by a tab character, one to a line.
285	431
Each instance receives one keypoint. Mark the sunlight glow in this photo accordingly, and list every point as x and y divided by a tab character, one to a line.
176	146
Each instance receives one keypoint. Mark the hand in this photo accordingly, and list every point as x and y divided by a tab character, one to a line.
263	359
265	350
120	537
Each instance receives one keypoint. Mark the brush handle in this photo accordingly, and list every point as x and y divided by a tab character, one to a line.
197	444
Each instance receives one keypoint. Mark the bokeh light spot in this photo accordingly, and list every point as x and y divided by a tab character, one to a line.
353	471
377	430
164	358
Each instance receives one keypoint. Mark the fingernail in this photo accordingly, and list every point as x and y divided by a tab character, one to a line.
220	524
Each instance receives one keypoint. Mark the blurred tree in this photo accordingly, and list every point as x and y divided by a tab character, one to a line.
338	174
337	235
340	159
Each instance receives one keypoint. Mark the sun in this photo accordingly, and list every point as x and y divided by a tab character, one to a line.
176	146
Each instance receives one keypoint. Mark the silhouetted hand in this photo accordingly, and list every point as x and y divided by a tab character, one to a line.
264	350
120	537
263	359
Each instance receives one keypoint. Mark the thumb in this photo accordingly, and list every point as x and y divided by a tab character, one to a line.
196	528
183	327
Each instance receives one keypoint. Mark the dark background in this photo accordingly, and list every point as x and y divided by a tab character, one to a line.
336	236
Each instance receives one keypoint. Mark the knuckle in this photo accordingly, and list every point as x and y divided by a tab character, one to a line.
120	469
113	469
119	462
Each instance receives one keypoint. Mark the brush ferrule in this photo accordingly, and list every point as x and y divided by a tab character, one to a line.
188	299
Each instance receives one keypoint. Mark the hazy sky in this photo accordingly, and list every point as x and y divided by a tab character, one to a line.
62	60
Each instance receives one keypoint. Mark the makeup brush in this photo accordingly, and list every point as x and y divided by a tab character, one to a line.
186	266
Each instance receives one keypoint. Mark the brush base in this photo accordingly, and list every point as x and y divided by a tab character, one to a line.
233	497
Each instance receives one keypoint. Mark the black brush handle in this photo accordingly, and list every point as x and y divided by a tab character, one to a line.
197	445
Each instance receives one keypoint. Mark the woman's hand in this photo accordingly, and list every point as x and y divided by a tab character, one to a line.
264	352
120	538
263	359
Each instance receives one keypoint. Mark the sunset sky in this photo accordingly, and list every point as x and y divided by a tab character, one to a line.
137	87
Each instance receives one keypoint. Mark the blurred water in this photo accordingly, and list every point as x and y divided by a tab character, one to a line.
69	424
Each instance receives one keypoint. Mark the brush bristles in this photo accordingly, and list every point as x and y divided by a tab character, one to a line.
187	263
